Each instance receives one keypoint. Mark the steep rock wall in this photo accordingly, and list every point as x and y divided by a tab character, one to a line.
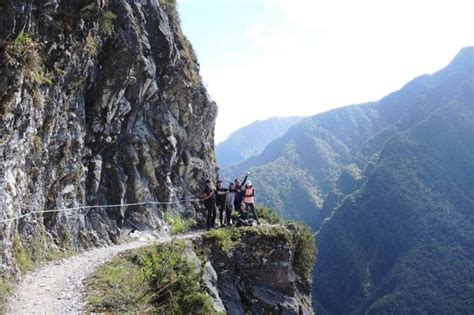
101	103
259	270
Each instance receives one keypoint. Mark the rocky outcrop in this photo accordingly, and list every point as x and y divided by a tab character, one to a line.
259	270
101	103
252	270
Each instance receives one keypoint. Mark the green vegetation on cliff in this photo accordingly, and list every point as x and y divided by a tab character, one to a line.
270	260
178	223
5	290
37	249
296	235
185	277
158	279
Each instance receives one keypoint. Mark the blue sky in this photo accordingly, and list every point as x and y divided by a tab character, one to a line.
264	58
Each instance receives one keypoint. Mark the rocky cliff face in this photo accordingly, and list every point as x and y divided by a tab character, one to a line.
260	270
101	103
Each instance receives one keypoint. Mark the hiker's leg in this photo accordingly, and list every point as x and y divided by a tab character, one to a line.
214	215
221	215
228	214
209	216
252	208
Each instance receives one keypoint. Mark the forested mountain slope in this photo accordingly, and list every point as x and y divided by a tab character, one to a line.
403	242
252	139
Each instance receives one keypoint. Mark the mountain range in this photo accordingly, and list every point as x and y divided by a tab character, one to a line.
252	139
388	186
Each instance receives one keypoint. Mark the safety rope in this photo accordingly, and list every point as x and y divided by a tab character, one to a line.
99	206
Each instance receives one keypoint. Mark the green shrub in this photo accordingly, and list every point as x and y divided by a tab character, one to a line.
23	53
156	279
305	251
277	231
176	283
91	45
178	223
22	259
268	215
226	239
106	23
41	78
22	39
39	248
116	286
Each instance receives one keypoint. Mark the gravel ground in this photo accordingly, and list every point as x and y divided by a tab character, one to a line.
56	287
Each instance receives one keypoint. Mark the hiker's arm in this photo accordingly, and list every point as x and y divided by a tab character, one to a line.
207	195
245	179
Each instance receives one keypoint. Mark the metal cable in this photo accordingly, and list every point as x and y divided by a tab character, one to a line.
98	206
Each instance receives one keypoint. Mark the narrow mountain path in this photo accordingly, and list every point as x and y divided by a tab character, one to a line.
56	287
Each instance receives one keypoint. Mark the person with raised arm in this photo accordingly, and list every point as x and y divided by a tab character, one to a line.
248	196
238	191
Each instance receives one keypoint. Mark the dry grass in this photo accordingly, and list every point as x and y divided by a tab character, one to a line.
23	53
91	45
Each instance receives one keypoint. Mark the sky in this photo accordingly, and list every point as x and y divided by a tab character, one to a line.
265	58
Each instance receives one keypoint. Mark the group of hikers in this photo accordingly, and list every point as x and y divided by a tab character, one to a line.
239	197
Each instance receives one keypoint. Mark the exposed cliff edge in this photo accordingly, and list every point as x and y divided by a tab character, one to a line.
101	103
258	270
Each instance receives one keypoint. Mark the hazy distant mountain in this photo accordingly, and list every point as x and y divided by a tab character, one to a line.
394	182
252	139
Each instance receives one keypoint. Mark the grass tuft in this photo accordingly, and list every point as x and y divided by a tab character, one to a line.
22	259
106	23
41	78
23	53
178	223
91	46
269	215
155	279
5	290
305	251
39	248
226	239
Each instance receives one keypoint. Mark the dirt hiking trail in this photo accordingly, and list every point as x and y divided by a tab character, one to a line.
56	287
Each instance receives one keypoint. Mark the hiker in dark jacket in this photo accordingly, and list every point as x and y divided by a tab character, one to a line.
238	192
229	203
220	201
210	204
